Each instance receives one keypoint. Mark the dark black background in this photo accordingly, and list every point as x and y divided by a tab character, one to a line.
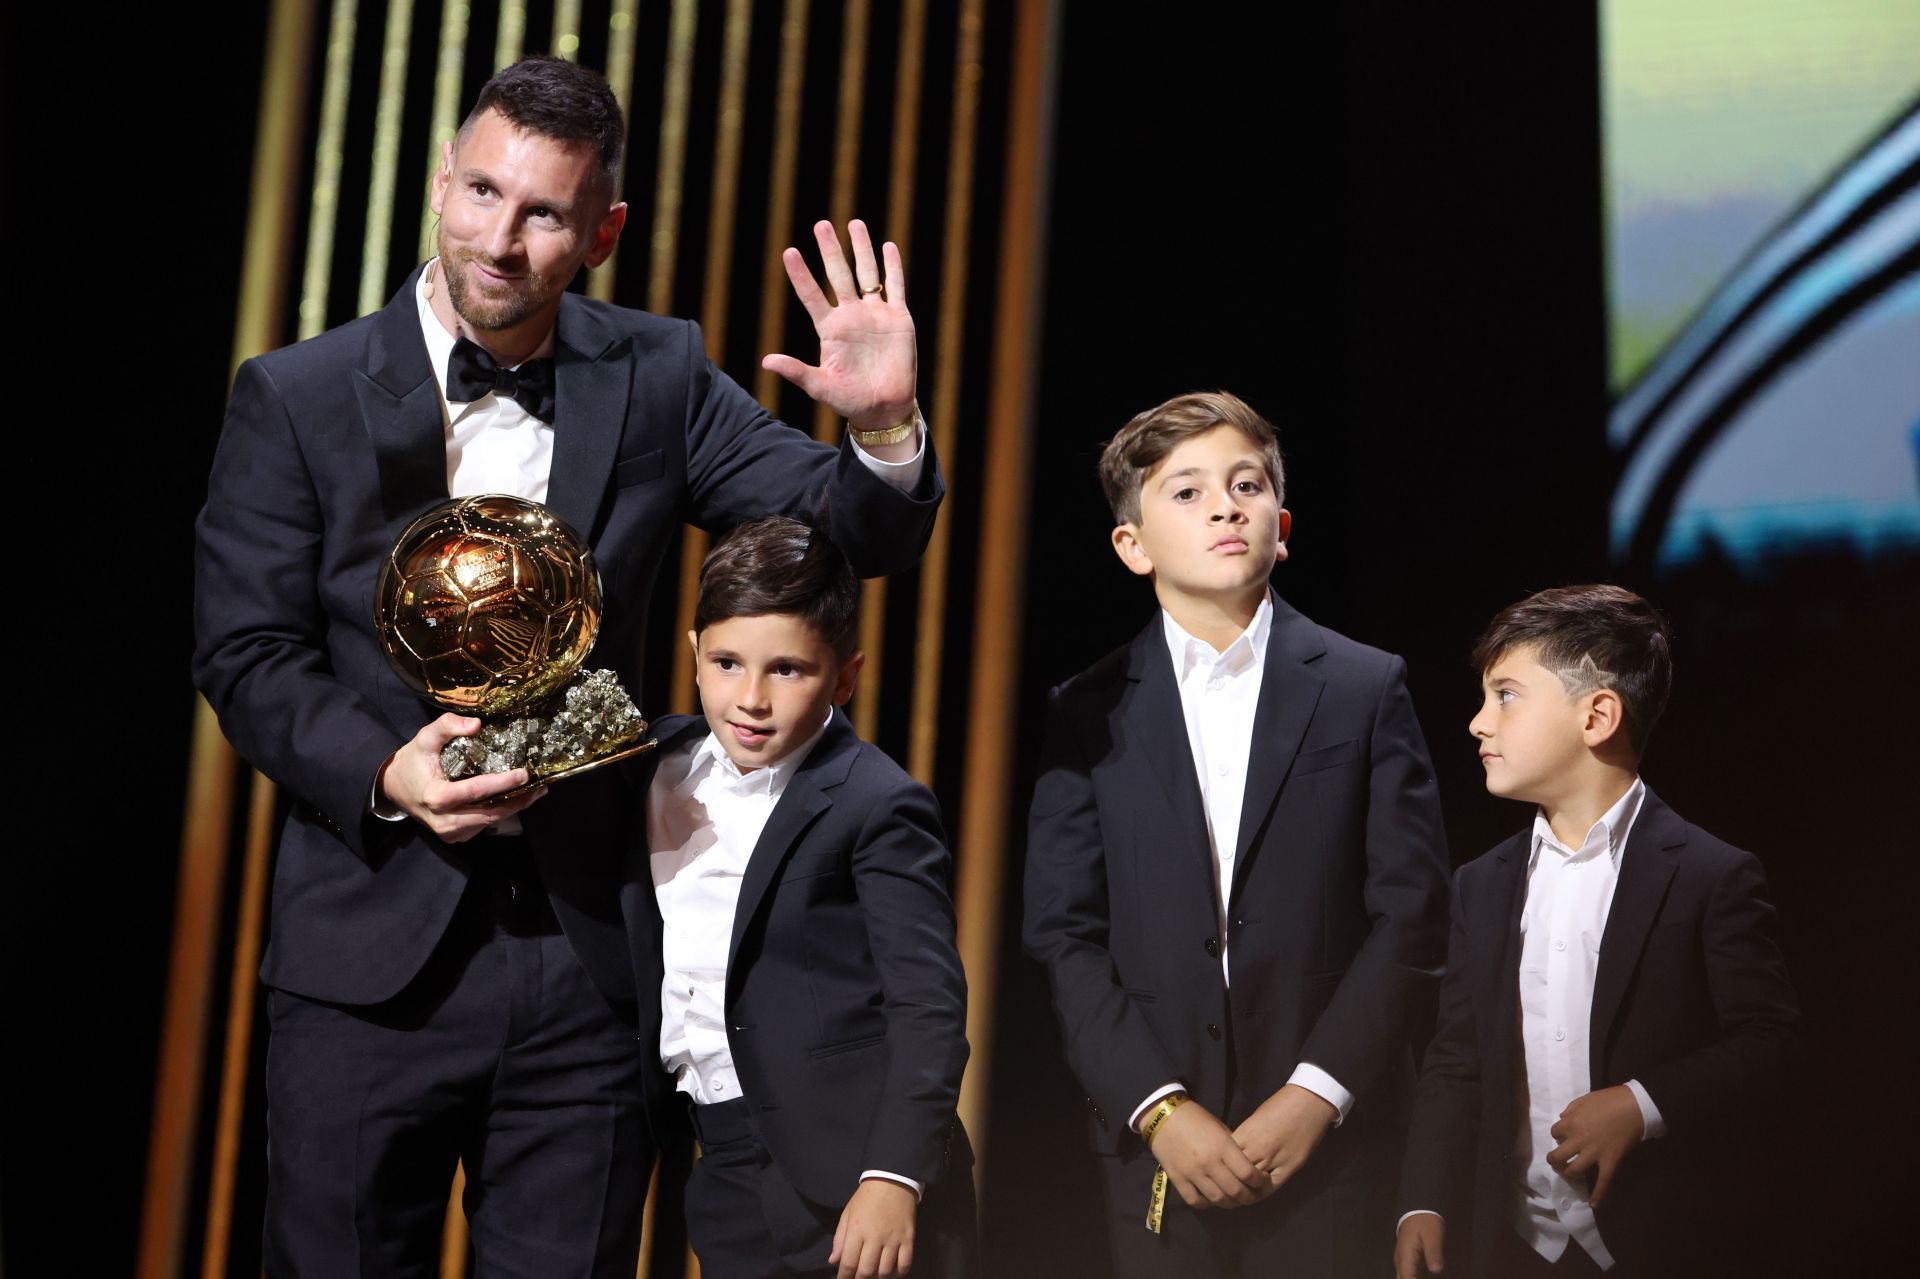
1383	230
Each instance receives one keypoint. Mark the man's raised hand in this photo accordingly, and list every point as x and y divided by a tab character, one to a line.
869	362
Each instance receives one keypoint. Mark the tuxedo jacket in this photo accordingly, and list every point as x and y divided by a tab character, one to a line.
331	448
845	1002
1336	913
1691	998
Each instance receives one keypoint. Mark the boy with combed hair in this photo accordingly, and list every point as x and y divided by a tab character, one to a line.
1235	880
1615	1003
788	903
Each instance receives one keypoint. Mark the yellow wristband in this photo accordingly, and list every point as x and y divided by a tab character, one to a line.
1168	1104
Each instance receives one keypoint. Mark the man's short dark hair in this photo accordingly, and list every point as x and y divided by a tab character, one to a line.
1592	637
780	565
560	100
1145	441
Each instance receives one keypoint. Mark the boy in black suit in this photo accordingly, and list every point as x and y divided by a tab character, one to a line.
788	900
1615	1004
1235	879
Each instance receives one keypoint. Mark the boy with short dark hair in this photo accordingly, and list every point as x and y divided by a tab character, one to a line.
1615	1003
788	901
1235	879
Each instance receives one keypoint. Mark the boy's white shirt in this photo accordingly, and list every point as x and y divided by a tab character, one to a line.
704	817
1219	694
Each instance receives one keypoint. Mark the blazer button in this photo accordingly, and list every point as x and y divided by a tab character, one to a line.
1213	947
1213	1030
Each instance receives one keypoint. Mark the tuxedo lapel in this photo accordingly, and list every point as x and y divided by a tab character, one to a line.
1498	980
805	798
1647	864
1289	693
1155	721
400	406
593	373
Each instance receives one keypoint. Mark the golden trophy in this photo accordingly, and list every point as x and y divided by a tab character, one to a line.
488	606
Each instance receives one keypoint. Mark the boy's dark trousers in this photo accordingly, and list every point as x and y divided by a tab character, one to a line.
746	1221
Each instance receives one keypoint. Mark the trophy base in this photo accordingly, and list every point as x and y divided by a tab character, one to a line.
574	770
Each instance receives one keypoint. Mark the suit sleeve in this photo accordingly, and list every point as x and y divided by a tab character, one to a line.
1443	1137
1746	1063
743	464
900	871
1113	1051
260	652
1365	1027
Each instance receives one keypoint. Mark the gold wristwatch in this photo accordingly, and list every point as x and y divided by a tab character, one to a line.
888	435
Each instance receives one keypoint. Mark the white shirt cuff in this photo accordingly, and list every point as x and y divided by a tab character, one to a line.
1651	1123
908	1182
902	475
1324	1086
1417	1212
1153	1099
385	812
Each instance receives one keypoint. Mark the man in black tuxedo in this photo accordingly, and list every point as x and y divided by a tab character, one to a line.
436	996
787	900
1236	881
1616	1009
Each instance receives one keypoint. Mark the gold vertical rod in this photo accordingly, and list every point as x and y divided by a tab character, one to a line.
327	156
386	155
623	29
846	161
773	298
675	94
991	718
239	1046
789	101
205	833
899	229
930	625
196	926
715	293
511	35
664	243
566	29
453	1235
786	160
718	283
454	19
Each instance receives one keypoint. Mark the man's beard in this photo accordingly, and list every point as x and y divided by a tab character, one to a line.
488	314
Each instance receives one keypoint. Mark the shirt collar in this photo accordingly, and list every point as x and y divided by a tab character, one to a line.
770	781
1609	833
1190	654
440	344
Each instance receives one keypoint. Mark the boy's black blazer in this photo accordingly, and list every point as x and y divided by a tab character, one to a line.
1337	906
1691	998
846	1003
331	447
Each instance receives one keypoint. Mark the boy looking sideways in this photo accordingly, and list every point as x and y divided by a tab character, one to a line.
1615	1007
789	903
1235	880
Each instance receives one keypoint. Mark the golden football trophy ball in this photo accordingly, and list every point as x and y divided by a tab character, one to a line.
488	606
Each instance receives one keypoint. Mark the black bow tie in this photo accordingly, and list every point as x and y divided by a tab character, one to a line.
472	373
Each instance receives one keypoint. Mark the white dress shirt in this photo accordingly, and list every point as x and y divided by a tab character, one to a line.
704	817
1219	693
495	446
1569	895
